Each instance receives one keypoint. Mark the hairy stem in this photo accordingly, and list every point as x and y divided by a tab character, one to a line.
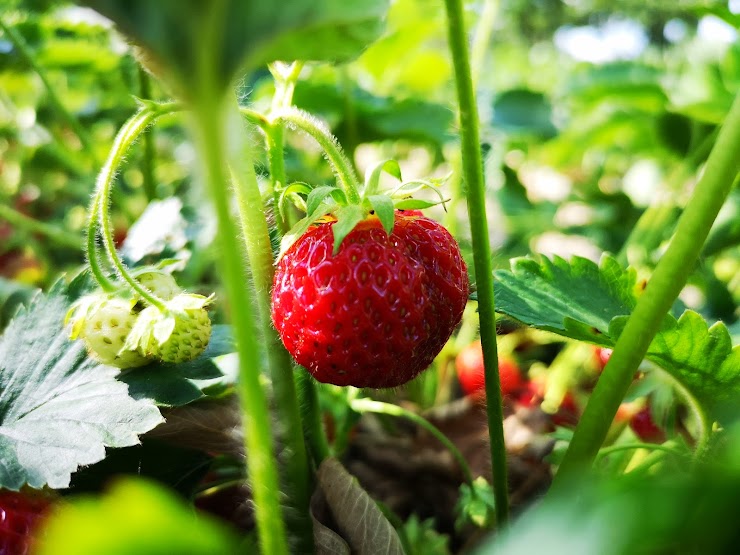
147	164
296	476
662	289
473	172
312	423
210	134
378	407
126	136
341	165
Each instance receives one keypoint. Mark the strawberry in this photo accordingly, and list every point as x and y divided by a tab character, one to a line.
376	313
645	427
471	374
178	334
20	516
602	356
104	323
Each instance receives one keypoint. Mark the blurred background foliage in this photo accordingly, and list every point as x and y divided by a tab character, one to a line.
591	110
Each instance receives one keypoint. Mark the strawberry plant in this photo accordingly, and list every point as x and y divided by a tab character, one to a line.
261	331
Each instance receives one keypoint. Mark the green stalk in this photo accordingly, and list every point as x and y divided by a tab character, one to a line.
378	407
473	171
313	426
662	289
57	235
147	165
482	38
30	57
256	237
126	136
210	134
341	165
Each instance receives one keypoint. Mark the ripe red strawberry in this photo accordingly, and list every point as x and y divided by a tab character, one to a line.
20	515
471	374
645	427
602	355
376	313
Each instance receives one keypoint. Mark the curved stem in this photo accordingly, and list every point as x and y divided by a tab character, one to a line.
606	451
93	259
378	407
664	286
341	165
25	51
473	172
57	235
705	425
126	136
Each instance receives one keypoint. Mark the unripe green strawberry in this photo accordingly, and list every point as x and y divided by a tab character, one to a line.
162	284
178	334
104	323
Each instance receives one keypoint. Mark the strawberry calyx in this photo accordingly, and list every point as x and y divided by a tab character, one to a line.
159	331
333	203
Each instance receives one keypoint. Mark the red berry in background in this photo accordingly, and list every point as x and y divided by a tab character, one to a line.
602	355
645	428
376	313
471	374
568	412
20	516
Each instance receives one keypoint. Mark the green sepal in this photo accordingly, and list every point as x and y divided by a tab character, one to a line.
347	218
383	206
372	176
302	225
415	204
319	195
409	188
295	188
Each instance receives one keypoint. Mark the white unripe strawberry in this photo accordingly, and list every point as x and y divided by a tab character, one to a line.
104	324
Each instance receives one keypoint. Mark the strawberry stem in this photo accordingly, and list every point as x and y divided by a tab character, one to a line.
340	163
668	279
210	129
256	237
285	83
126	136
482	259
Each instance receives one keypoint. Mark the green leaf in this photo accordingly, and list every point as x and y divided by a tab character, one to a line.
523	112
578	299
347	218
476	504
699	356
383	206
376	118
359	520
588	302
192	42
135	517
372	177
59	410
302	225
175	385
